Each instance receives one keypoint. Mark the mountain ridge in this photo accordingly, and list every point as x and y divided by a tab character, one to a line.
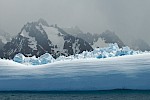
96	40
37	38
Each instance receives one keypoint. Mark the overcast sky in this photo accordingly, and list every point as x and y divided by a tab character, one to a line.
127	18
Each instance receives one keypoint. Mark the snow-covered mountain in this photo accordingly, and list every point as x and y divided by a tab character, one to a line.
37	38
103	39
4	38
96	40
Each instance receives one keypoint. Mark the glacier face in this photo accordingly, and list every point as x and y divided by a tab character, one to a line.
123	72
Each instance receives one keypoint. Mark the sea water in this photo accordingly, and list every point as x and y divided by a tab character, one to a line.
77	95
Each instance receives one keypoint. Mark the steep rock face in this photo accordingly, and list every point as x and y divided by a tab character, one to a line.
37	38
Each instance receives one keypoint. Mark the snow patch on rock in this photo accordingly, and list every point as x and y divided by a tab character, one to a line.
55	37
31	40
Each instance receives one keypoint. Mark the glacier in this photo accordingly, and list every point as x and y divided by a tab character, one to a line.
43	59
111	51
117	68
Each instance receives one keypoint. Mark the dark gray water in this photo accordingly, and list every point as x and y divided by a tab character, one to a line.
78	95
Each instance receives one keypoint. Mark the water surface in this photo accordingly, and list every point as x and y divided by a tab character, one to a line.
76	95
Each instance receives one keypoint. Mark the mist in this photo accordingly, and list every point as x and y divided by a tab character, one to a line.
129	19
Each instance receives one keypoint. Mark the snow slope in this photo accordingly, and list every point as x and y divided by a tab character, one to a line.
55	37
124	72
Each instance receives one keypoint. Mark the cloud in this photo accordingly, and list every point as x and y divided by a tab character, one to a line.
128	18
